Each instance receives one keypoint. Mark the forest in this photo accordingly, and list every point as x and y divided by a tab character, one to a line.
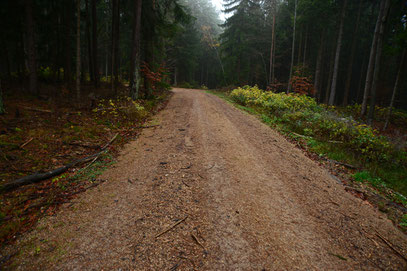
340	52
78	75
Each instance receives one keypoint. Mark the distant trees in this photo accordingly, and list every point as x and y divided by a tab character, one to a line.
333	37
31	47
350	51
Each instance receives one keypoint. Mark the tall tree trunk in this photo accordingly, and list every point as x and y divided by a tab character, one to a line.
115	43
292	48
361	77
352	57
330	74
68	50
305	46
299	46
2	110
78	50
89	41
377	62
370	67
337	58
136	51
396	85
31	48
270	80
317	82
95	45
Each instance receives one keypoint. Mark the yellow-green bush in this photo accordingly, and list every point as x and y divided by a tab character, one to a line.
303	115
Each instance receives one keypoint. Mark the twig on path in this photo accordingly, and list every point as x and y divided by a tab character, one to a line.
26	143
170	227
148	126
390	245
185	183
196	240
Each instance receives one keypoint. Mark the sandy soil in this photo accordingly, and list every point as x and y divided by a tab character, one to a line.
250	200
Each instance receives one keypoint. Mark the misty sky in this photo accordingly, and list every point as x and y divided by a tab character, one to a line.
218	5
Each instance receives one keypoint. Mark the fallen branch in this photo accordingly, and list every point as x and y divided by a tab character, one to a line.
26	143
170	227
340	163
303	136
391	246
37	109
35	178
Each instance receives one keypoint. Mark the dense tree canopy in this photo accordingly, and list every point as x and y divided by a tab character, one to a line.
342	51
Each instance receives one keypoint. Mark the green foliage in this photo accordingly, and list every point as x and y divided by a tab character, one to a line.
305	116
403	221
365	176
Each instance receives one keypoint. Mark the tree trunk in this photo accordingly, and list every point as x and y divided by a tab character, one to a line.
292	48
338	51
115	44
89	40
136	51
78	50
352	57
2	110
370	68
377	62
317	82
328	86
396	85
95	45
31	48
305	46
68	52
299	47
272	48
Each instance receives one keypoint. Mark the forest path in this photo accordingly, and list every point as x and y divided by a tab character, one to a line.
250	200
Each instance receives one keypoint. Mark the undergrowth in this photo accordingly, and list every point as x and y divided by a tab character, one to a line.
55	139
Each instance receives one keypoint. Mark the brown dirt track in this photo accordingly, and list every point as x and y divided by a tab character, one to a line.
252	201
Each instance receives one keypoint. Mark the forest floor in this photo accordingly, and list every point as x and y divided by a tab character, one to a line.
212	188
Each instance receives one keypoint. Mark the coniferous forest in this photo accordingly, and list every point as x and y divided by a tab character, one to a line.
81	78
341	52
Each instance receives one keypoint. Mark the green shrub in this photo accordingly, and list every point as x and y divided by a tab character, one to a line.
302	114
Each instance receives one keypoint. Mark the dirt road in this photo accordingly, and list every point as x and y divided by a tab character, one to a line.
250	200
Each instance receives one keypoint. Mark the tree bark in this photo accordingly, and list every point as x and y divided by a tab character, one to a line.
95	44
68	50
31	48
2	110
136	51
328	86
292	48
370	68
299	46
115	43
89	40
352	57
305	46
396	85
377	62
337	56
78	50
272	48
317	82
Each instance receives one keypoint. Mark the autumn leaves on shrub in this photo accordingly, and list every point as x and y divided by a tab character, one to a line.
303	115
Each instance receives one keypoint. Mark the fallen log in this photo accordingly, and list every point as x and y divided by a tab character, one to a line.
37	177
